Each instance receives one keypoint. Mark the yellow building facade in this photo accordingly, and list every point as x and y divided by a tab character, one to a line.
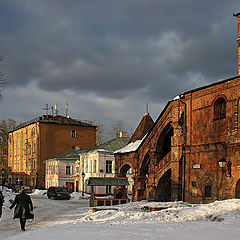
31	143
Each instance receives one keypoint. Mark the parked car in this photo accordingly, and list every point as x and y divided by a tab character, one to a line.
58	193
16	188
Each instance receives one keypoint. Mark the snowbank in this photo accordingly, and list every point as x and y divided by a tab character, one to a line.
8	195
134	213
78	196
38	192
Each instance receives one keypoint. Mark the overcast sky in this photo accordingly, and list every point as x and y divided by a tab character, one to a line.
108	58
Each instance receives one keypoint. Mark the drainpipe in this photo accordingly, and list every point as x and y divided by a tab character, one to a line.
39	156
184	147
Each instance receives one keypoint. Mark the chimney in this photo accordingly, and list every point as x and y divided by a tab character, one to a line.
238	39
123	134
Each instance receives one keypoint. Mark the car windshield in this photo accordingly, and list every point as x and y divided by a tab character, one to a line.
61	189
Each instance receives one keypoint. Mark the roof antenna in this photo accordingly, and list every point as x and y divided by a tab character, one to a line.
46	108
66	109
56	109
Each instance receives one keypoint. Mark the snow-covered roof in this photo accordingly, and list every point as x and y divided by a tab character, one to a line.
131	147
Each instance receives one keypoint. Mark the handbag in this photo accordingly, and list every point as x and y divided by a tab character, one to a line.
30	217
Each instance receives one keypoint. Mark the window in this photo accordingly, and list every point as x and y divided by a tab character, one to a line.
208	191
68	169
4	151
108	166
33	132
91	166
74	133
86	166
220	109
34	147
108	189
94	166
29	149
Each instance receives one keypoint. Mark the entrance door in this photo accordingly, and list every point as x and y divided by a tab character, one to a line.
77	186
70	186
238	189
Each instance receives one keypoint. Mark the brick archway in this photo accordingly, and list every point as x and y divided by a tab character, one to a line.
124	169
237	195
163	190
164	141
144	170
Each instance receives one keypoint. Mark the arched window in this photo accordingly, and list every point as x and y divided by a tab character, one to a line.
220	109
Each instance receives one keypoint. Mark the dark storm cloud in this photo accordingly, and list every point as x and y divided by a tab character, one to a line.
119	48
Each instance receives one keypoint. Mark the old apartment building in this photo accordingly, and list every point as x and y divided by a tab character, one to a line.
33	142
192	152
73	169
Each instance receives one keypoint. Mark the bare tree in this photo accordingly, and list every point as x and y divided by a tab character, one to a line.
2	79
5	127
99	133
117	127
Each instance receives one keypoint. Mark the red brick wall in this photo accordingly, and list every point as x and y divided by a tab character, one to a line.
207	141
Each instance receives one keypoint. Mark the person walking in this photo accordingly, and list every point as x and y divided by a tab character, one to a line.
1	202
23	208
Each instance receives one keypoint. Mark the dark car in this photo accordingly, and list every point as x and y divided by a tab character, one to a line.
58	193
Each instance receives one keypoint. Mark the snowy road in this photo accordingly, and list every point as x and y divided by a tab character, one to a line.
73	220
45	210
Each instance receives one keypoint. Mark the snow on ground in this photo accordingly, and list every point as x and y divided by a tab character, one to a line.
176	220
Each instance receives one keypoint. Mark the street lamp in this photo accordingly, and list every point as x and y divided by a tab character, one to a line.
83	176
36	179
222	163
3	171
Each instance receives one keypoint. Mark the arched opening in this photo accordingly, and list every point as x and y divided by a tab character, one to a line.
220	108
164	142
126	171
145	165
142	180
237	195
163	191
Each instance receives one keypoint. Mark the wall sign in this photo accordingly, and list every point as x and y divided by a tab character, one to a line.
196	166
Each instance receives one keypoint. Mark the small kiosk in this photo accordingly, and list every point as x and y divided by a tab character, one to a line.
120	197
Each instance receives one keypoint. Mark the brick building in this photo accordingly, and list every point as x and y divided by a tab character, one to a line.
33	142
192	152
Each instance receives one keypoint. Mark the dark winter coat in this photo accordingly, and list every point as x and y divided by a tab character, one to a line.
1	199
23	207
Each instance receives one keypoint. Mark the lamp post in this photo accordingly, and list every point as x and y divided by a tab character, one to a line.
36	179
3	171
83	176
222	163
